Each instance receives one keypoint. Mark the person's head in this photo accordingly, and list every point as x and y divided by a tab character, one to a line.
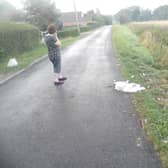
51	29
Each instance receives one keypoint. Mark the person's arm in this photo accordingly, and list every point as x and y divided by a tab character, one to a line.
58	42
50	41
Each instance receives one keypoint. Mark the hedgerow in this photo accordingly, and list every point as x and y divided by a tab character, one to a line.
16	38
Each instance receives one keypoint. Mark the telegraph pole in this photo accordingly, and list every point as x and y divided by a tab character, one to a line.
76	16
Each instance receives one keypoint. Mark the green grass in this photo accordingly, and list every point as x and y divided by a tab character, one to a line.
23	59
70	40
27	58
151	104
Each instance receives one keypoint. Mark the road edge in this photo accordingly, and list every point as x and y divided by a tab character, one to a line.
38	60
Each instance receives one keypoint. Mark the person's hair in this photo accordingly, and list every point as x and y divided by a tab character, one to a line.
51	29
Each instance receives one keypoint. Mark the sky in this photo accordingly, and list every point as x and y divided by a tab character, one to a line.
105	6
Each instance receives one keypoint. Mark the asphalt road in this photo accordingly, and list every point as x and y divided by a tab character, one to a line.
83	124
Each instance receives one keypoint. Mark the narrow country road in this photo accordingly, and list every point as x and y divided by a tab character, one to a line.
83	124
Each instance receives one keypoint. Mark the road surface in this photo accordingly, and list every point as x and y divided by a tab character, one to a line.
83	124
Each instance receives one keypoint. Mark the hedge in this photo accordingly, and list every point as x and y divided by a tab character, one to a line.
73	31
16	38
68	33
89	27
85	28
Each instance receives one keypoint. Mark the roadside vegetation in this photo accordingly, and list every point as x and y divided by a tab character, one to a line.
21	31
23	59
142	62
26	57
154	36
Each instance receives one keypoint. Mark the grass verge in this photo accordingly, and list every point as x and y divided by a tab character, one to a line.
27	58
138	66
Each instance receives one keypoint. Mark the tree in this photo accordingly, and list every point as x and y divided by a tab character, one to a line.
107	19
90	14
96	16
128	14
123	19
59	24
98	12
161	13
145	15
18	16
123	16
135	13
41	12
6	10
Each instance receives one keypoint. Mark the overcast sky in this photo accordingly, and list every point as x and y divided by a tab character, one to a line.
105	6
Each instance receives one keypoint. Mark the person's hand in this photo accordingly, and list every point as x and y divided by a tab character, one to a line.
58	43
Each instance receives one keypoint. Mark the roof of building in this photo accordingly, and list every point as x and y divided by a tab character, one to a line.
71	17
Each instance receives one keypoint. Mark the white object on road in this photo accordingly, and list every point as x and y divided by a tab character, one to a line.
12	62
125	86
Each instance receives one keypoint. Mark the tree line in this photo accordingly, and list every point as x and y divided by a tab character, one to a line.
136	13
43	12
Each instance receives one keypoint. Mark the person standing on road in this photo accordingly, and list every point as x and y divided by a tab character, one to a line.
53	43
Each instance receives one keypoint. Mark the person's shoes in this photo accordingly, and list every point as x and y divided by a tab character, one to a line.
58	82
62	78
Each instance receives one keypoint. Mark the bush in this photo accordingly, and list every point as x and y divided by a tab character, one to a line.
15	38
90	26
68	33
73	31
85	28
1	52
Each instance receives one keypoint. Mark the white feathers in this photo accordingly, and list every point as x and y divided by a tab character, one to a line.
125	86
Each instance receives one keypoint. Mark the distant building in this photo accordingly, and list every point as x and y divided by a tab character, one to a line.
69	19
